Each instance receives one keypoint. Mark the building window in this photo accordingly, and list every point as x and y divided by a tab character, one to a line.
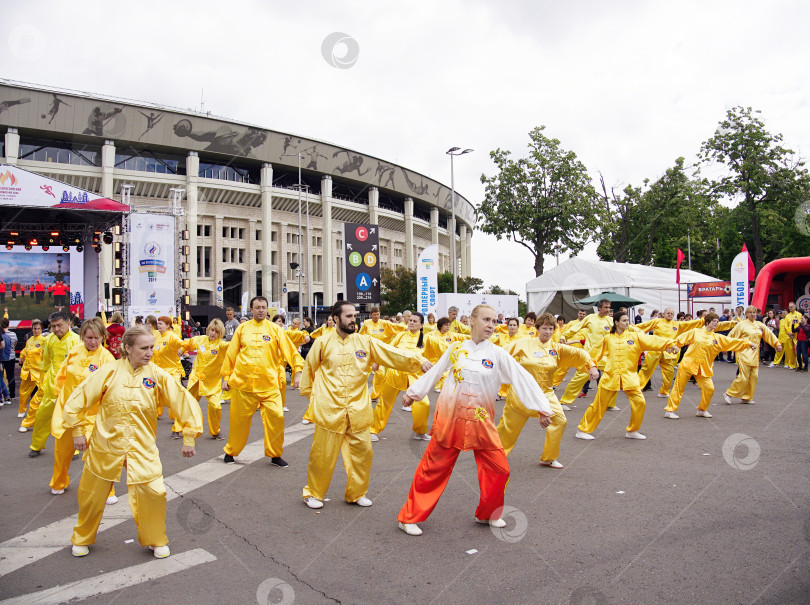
273	258
292	257
398	253
199	230
292	238
317	241
224	255
241	233
339	243
60	152
233	255
228	172
317	267
233	232
241	255
272	236
144	160
258	257
224	232
339	270
206	230
258	235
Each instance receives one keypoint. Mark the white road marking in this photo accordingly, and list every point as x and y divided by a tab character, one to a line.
115	580
37	544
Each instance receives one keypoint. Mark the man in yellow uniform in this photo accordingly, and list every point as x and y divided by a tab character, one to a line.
30	376
745	384
336	379
788	338
663	326
382	330
597	326
576	340
455	324
56	348
250	369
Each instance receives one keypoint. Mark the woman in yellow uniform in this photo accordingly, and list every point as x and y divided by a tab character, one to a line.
127	393
621	348
30	376
541	357
82	360
325	329
396	380
298	337
703	346
430	324
383	330
205	380
745	384
167	343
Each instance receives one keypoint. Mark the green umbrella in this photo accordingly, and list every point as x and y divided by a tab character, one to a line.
616	300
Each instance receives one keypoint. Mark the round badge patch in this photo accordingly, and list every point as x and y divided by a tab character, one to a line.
552	352
92	367
213	351
267	338
631	342
487	363
148	383
360	354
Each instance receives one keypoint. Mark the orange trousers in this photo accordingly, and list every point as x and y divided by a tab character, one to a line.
434	471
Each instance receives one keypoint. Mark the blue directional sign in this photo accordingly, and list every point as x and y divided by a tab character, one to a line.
361	264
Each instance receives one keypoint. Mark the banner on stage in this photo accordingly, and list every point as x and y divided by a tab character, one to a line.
427	284
740	286
151	268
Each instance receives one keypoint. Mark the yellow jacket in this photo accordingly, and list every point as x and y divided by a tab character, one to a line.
621	354
504	340
54	352
298	337
703	348
126	425
786	326
542	360
78	365
754	331
457	326
595	328
165	356
428	327
31	357
405	341
664	328
335	378
322	331
383	330
437	343
254	354
208	365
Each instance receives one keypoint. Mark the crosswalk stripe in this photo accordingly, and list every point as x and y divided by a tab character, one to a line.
115	580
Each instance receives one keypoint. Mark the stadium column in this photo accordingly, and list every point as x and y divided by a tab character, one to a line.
465	268
251	258
105	259
12	146
410	261
373	205
468	249
326	221
267	229
216	259
192	178
434	225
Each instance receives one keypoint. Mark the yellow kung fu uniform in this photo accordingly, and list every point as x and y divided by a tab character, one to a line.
166	358
428	327
298	337
78	365
205	379
788	339
30	378
396	381
335	379
251	363
663	329
620	355
322	331
595	328
542	361
503	340
457	326
127	400
54	352
573	340
698	361
745	384
381	330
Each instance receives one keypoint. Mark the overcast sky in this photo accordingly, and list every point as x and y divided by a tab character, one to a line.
628	86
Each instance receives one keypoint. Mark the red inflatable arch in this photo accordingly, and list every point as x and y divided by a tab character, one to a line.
765	285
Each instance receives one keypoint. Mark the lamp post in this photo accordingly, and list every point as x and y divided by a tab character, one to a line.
454	151
300	258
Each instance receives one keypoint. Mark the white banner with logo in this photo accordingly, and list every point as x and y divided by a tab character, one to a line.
739	281
152	251
427	286
505	304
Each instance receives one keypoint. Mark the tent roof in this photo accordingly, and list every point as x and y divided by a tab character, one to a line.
580	274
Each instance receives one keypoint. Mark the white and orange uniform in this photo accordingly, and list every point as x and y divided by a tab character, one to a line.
31	378
663	328
205	379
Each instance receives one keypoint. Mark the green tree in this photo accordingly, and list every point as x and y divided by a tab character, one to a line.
397	290
545	202
522	307
764	179
466	285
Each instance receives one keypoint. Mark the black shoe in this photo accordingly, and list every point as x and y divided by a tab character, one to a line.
175	435
228	459
219	437
34	453
75	457
279	462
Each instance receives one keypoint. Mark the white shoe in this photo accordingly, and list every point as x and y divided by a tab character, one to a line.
748	401
567	408
374	438
79	551
727	398
663	395
492	522
615	409
771	365
582	435
161	552
672	415
22	429
421	437
57	492
305	421
412	529
112	500
634	435
313	502
285	409
363	501
405	408
703	414
21	415
437	390
551	463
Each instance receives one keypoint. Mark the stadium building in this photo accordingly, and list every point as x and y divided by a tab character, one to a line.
240	193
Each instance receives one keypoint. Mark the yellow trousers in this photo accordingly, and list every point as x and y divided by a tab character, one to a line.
574	387
309	414
146	500
745	385
355	448
243	406
594	414
42	423
705	383
652	360
33	406
514	418
788	352
377	382
26	389
420	410
63	452
214	409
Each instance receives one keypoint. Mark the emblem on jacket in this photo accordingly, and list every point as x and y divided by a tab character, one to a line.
481	414
149	383
487	363
360	354
267	338
631	342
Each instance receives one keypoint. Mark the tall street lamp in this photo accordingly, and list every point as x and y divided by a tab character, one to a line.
303	265
454	151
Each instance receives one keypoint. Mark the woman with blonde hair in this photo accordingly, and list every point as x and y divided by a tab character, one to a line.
167	344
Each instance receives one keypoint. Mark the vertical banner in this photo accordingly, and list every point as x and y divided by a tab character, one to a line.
245	300
361	263
427	287
739	281
151	269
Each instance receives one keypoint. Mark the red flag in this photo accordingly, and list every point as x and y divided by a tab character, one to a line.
679	256
751	272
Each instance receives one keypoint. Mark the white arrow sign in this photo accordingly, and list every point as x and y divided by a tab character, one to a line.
372	230
374	247
374	281
348	246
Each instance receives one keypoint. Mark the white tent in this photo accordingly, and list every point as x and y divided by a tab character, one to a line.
558	288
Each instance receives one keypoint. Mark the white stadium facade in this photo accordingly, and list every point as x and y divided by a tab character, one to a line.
240	193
